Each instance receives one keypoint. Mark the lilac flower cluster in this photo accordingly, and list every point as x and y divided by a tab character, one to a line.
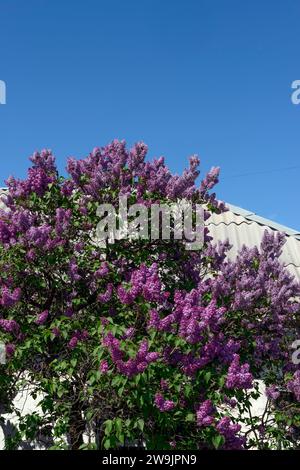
107	295
144	282
62	220
205	414
104	367
74	270
294	385
36	182
39	236
42	317
9	326
211	179
44	160
132	366
230	432
10	349
78	335
114	166
162	404
272	392
10	298
238	375
102	271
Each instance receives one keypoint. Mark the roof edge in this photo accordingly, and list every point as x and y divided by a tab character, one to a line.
249	215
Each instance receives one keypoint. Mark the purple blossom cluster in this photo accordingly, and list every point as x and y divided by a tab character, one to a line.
205	414
10	349
107	295
74	270
102	271
10	298
238	375
272	392
114	166
104	367
162	404
9	326
78	335
62	220
36	182
230	432
144	282
293	385
44	160
42	317
132	366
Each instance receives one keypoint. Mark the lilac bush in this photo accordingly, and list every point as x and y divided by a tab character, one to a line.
140	340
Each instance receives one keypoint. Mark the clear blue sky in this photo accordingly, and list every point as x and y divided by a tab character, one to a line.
194	76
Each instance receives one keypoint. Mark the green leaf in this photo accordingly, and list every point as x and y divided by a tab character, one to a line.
108	427
190	417
73	362
217	441
141	424
119	425
60	392
107	444
207	377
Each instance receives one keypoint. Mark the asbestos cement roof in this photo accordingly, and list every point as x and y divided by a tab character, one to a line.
243	227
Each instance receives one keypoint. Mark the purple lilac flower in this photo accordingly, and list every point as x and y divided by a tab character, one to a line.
162	404
39	236
164	385
104	321
73	270
69	312
102	271
62	220
210	180
205	413
73	342
129	333
104	298
31	255
10	349
9	326
294	385
44	160
238	375
113	346
232	402
9	298
230	432
104	366
67	188
272	392
79	247
42	318
81	335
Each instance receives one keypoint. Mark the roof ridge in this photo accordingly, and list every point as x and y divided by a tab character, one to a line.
249	215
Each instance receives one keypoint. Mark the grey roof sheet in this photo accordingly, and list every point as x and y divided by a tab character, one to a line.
243	227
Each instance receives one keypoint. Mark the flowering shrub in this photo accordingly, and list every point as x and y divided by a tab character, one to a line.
141	340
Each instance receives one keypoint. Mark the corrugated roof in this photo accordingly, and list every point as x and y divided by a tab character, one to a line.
2	193
244	227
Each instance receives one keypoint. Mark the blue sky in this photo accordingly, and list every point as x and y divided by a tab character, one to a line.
194	76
